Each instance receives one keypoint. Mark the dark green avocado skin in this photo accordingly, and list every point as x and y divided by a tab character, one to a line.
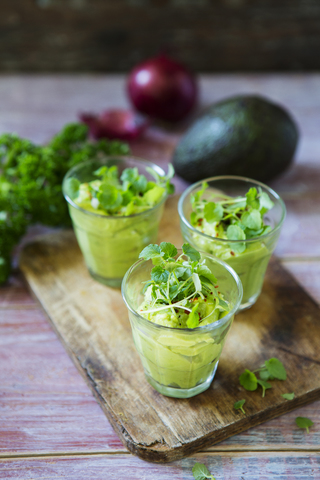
243	135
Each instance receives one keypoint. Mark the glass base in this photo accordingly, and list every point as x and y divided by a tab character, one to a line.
248	304
109	282
178	392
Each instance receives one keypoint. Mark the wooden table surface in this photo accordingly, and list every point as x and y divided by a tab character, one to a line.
51	427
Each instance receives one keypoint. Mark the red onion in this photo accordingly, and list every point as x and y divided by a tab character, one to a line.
162	88
115	124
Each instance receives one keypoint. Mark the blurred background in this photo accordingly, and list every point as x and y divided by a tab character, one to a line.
113	35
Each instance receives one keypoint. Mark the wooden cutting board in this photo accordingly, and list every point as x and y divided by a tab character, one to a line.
93	324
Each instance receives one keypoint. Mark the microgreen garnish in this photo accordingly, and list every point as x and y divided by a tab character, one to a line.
304	422
234	218
180	283
270	370
131	193
239	405
288	396
200	472
248	380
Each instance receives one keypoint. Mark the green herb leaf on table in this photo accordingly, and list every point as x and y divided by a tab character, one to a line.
288	396
239	405
248	380
265	375
200	472
276	368
265	386
304	422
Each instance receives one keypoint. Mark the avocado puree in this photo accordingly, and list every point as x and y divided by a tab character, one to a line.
110	245
250	265
180	359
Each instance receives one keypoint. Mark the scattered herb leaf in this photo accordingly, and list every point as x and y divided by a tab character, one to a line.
288	396
248	380
200	472
265	386
304	422
239	405
276	368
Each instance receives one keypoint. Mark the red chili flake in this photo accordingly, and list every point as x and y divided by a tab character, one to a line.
205	299
211	293
200	221
232	253
186	311
216	286
217	234
219	292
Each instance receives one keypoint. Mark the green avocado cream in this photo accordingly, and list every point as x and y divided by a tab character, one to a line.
174	351
114	217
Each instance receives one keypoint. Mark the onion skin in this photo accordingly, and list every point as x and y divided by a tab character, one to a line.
162	88
115	124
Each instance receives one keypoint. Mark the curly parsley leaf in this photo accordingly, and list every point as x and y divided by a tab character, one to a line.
31	181
200	472
304	422
239	405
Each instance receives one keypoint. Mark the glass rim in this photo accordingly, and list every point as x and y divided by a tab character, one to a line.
154	166
231	177
201	328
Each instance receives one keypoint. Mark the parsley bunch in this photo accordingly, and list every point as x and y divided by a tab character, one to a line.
177	283
131	193
30	181
234	218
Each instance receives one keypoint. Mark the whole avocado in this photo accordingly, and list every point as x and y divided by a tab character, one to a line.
245	135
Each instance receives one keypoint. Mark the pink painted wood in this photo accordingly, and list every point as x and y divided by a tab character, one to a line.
45	406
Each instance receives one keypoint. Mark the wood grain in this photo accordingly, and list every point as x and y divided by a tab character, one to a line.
229	466
100	36
47	408
283	323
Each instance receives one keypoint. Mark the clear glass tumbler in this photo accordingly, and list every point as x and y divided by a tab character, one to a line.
250	265
180	362
111	244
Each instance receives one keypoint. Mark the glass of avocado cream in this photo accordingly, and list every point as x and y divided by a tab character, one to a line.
180	316
238	220
115	204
